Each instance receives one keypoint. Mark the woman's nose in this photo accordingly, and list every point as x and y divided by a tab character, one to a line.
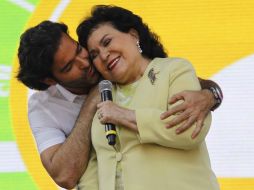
104	54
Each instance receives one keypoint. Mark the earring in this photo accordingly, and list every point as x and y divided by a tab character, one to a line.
139	48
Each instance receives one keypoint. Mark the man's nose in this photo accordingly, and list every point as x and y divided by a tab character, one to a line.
82	63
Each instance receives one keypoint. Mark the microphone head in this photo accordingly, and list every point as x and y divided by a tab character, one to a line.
105	85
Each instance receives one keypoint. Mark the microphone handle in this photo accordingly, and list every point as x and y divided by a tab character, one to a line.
109	127
106	95
110	133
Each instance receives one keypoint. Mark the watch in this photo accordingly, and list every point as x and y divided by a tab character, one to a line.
218	96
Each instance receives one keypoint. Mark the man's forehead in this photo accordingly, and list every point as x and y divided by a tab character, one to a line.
66	40
66	37
67	50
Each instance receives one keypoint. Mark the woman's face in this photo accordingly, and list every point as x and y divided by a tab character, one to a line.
115	54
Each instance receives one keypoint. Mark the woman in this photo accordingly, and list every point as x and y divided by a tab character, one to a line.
147	155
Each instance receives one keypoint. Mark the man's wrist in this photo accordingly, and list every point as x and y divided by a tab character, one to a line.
218	97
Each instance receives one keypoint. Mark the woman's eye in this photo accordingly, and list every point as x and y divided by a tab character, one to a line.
106	42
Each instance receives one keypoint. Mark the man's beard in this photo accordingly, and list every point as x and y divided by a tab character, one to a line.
82	83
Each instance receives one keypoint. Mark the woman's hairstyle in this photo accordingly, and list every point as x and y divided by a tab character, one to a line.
37	48
122	20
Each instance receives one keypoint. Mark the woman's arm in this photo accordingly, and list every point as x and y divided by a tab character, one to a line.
195	107
89	180
147	122
182	77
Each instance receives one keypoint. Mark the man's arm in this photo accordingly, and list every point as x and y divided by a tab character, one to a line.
195	107
144	118
67	162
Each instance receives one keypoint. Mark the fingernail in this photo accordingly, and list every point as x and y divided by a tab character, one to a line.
178	131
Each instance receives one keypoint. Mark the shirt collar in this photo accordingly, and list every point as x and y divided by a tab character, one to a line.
66	93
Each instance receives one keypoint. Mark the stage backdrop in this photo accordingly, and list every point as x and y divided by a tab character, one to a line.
217	36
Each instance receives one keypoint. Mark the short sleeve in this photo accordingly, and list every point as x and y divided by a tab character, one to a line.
44	126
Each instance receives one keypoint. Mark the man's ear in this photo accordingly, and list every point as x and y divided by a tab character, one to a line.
134	33
49	81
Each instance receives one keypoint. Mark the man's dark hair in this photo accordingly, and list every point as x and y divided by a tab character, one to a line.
122	20
37	48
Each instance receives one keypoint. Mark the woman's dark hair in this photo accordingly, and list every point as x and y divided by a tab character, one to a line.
37	48
123	20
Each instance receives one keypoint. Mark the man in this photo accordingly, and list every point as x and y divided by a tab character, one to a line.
61	114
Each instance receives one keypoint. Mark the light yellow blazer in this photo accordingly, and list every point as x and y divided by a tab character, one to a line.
155	158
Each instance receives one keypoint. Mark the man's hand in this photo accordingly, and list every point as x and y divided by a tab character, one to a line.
195	108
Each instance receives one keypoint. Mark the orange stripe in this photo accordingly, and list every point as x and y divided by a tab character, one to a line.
18	106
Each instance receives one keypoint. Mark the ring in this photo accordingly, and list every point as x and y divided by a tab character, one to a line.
100	115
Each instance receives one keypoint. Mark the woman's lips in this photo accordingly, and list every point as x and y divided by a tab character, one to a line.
113	63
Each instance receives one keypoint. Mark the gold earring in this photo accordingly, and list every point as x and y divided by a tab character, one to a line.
139	48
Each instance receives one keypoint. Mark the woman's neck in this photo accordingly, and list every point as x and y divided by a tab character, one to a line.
139	71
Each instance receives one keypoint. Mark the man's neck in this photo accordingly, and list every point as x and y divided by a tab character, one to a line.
78	91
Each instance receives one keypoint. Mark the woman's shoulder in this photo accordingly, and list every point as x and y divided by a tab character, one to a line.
171	62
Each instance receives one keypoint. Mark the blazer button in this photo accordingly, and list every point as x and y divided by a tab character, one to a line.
118	156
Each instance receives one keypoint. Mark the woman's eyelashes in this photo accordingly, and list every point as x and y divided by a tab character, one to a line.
106	42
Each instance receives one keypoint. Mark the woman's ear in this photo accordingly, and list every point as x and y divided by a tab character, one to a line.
49	81
134	33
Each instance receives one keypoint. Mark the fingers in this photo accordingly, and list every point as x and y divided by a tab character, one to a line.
107	112
104	104
173	111
186	125
100	115
99	105
103	118
198	128
193	109
176	97
178	119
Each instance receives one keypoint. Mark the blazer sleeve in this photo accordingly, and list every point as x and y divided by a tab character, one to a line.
89	180
152	129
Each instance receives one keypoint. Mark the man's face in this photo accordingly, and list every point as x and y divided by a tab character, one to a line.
71	67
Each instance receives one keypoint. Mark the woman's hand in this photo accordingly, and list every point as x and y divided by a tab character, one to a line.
109	112
195	108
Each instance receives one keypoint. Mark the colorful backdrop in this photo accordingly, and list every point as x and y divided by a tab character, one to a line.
217	36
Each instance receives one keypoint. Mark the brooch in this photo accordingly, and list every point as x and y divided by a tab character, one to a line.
152	75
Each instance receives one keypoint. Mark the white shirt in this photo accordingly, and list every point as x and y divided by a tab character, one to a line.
52	114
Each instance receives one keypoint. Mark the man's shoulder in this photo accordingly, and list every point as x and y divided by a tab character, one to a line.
41	97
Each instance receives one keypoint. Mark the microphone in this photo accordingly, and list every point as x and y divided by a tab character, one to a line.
105	88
